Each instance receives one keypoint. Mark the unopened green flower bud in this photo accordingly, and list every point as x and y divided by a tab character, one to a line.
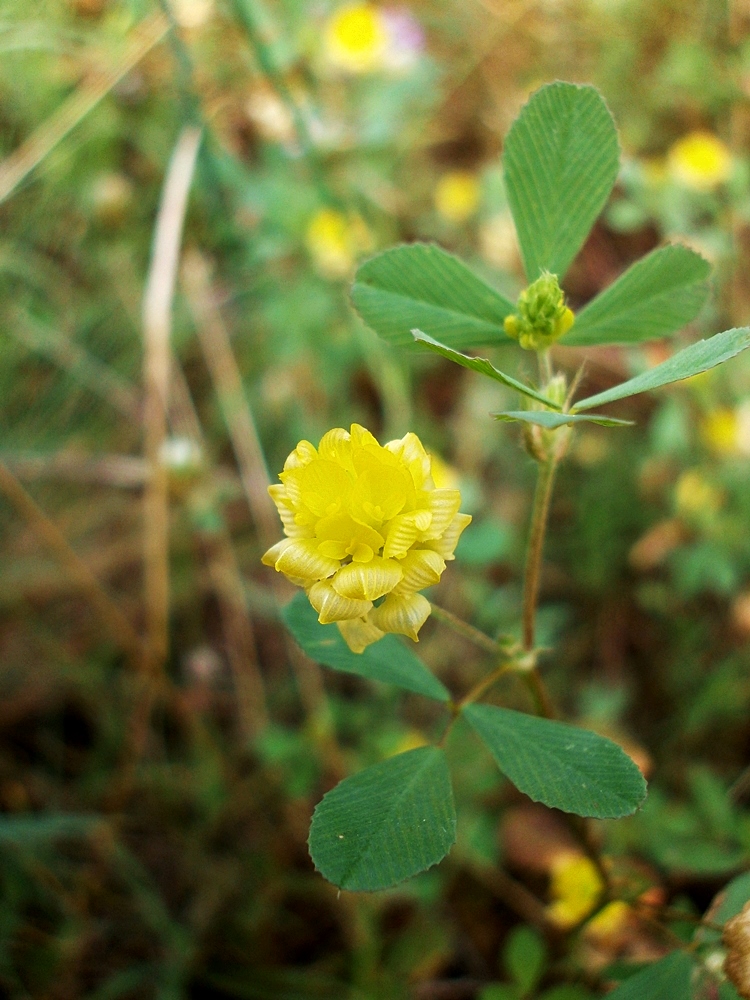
541	314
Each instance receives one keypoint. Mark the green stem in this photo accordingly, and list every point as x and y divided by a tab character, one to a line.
537	532
460	627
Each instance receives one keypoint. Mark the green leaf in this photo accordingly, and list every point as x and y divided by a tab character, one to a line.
691	361
545	418
421	285
667	979
726	904
561	158
387	660
558	764
525	957
654	298
499	991
45	826
483	366
387	823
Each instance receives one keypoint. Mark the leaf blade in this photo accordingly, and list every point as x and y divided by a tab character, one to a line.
561	158
545	418
385	824
692	360
558	764
421	285
654	298
483	367
387	660
667	979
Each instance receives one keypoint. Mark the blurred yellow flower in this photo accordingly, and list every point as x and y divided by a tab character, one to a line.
575	887
727	431
457	195
695	496
364	522
720	431
335	241
611	921
356	38
700	161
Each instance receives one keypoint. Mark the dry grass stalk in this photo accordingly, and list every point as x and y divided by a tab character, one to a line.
31	152
239	637
225	374
117	624
227	380
157	307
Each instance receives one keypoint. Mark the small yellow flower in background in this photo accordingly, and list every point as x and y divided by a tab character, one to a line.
356	38
610	922
720	431
457	196
335	241
727	431
364	524
191	13
696	497
575	887
700	161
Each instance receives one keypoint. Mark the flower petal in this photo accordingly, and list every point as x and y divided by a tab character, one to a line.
422	568
302	560
359	633
402	532
405	615
444	505
336	446
302	454
411	451
446	545
332	607
368	581
271	557
322	486
294	526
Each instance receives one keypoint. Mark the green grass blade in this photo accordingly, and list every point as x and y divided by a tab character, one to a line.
483	367
387	823
561	158
420	285
691	361
654	298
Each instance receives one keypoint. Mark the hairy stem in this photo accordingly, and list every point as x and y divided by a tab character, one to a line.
460	627
537	532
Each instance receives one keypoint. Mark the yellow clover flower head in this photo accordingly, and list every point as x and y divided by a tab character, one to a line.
335	240
575	887
457	195
366	531
541	314
356	38
700	161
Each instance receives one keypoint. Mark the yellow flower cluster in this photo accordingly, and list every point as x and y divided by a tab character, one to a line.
365	524
356	38
700	161
457	196
575	887
335	241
